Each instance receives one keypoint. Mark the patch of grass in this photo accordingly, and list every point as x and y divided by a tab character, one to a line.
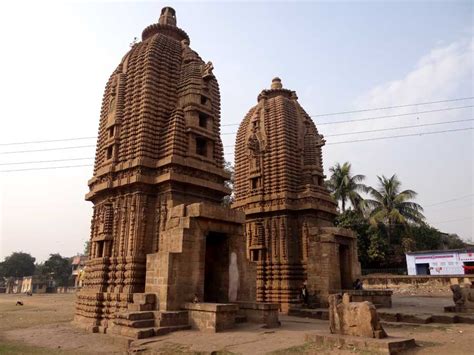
173	348
298	349
17	349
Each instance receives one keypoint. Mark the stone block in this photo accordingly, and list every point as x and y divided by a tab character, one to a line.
354	318
211	317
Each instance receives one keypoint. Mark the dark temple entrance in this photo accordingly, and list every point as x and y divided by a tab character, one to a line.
216	268
345	267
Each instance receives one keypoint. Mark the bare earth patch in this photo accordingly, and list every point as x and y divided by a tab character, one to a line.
43	326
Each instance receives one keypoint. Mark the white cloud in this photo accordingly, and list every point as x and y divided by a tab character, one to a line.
437	75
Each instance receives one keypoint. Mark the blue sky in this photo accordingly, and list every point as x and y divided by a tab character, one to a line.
337	56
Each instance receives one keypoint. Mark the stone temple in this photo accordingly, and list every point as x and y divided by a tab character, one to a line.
279	184
158	226
165	254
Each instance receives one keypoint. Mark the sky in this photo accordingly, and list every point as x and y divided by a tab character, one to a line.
338	56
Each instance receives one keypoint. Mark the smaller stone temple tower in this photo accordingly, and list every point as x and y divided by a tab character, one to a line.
279	184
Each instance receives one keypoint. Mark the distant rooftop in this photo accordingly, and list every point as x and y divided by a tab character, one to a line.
462	250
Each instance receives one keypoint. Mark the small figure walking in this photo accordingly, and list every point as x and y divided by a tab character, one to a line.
357	285
304	294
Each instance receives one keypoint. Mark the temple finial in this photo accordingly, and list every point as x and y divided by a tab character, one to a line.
168	16
276	83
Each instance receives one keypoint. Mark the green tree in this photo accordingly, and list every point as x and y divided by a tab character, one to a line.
392	207
18	264
86	247
426	237
357	223
452	241
346	187
377	249
59	268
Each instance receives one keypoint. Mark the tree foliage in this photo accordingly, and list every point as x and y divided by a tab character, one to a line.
18	264
346	187
388	224
58	268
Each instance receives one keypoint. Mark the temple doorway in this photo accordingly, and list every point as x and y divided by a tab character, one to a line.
216	268
345	267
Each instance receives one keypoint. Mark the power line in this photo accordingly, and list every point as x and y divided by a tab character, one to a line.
392	107
343	142
453	199
236	124
48	141
47	149
44	161
396	128
46	168
381	117
376	109
387	129
397	115
454	220
403	135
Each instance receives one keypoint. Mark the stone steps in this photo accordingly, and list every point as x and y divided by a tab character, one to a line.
142	323
135	315
171	318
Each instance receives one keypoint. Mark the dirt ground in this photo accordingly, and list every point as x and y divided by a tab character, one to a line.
43	326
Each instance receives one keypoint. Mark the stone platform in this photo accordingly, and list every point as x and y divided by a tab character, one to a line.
393	316
218	317
211	317
389	345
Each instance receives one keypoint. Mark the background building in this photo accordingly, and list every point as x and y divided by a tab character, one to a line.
441	262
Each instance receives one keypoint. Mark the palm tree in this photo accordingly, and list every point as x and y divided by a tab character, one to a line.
346	187
391	206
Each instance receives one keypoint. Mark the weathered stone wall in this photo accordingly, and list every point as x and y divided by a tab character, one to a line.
415	285
324	262
177	272
380	298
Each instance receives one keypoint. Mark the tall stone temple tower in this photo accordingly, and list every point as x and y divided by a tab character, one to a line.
158	227
279	184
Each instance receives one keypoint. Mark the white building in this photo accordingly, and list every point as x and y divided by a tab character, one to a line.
441	262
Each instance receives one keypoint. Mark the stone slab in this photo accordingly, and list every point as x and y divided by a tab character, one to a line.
211	317
211	307
389	345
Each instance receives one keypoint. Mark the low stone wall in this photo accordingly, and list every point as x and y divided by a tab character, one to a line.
261	313
380	298
211	317
416	285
